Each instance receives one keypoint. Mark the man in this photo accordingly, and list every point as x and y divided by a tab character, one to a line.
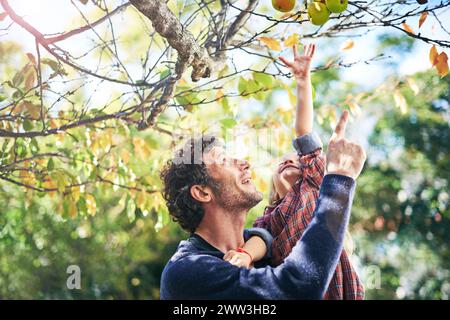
210	195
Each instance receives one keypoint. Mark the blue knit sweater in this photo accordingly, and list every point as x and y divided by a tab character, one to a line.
193	273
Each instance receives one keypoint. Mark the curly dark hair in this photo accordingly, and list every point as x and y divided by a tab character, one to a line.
179	174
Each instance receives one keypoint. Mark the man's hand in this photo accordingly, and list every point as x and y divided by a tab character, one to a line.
301	66
238	259
343	156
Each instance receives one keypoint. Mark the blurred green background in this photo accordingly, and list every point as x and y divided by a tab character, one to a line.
121	240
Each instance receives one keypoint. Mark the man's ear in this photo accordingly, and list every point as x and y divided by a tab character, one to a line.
200	193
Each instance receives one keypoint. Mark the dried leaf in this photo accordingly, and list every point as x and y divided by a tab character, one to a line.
29	81
423	17
32	58
433	55
347	45
292	40
442	64
33	109
407	27
271	43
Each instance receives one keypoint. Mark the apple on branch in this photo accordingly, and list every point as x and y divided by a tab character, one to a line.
336	6
283	5
318	13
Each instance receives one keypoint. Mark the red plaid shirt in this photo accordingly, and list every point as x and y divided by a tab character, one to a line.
287	219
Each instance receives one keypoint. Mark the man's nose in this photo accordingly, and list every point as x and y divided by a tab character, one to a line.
288	161
242	164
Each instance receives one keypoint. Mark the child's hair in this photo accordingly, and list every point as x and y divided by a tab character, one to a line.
273	195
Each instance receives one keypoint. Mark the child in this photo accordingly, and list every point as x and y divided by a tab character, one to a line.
295	189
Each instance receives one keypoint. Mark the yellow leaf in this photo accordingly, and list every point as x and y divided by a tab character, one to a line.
27	177
292	40
219	95
423	17
125	156
433	55
407	28
141	148
49	184
354	108
400	101
76	193
442	64
72	209
271	43
347	45
53	123
91	205
60	180
142	197
285	16
413	85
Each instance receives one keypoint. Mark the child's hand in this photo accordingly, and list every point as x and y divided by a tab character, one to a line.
300	68
238	259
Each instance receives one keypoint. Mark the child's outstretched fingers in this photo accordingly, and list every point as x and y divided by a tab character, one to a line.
295	49
285	62
312	50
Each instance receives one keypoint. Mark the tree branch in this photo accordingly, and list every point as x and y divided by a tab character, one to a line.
169	27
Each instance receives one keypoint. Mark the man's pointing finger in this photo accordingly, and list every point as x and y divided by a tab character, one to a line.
339	131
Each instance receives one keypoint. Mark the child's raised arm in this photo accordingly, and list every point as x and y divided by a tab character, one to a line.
300	68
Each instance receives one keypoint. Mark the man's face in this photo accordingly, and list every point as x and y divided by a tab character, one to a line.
235	187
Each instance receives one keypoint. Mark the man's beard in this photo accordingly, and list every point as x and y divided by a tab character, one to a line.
233	199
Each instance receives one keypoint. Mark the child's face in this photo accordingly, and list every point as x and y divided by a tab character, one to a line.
286	173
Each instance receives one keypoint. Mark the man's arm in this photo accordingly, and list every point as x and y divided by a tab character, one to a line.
305	274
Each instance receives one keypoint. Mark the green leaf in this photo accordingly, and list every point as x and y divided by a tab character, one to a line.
27	125
60	179
50	164
242	86
225	105
263	79
164	74
18	78
228	123
55	66
131	210
34	146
